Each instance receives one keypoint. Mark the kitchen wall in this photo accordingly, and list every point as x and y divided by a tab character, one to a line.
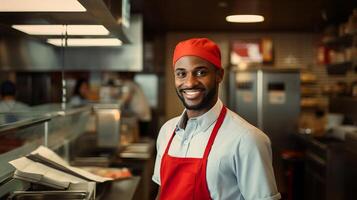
291	50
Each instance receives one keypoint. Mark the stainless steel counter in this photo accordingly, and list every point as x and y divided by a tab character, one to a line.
323	167
122	189
54	126
47	125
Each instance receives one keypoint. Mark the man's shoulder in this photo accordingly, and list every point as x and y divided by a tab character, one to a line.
171	123
168	127
166	132
244	129
238	123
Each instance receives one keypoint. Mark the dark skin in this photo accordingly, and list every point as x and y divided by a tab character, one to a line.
196	82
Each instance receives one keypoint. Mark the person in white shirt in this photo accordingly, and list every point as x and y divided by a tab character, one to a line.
81	93
8	102
135	101
209	152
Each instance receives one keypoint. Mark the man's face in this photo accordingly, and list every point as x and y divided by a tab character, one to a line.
196	82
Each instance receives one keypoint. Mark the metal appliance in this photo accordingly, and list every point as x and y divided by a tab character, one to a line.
76	191
108	125
269	99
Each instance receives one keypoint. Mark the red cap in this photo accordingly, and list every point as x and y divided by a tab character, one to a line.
201	47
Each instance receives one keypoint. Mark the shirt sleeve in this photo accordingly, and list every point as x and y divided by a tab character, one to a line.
254	167
156	174
159	149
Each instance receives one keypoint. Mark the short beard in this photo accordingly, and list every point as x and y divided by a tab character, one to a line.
205	103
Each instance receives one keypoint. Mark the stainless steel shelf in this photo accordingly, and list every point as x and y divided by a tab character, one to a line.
23	123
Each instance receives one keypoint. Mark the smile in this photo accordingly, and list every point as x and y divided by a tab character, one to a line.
192	93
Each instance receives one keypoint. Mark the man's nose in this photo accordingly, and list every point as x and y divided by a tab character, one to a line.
191	80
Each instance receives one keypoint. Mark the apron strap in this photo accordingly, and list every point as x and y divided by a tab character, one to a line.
169	144
212	137
215	131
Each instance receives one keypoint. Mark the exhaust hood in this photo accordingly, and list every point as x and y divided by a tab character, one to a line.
41	6
112	14
21	52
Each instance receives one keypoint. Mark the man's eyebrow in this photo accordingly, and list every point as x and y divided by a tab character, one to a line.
201	67
179	69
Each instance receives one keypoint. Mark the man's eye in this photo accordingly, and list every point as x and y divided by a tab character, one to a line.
180	74
201	73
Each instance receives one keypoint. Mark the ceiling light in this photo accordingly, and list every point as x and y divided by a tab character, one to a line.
222	4
244	18
251	11
61	29
41	6
77	42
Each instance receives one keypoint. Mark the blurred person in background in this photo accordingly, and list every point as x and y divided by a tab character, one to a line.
135	101
8	101
81	93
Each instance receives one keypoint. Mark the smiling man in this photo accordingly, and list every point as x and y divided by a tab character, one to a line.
209	152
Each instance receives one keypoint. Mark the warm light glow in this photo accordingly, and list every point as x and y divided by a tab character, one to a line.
41	6
77	42
242	66
116	115
244	18
60	29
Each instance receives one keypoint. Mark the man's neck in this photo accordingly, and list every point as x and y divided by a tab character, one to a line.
196	113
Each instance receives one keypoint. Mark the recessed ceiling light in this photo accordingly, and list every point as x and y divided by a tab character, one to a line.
78	42
61	29
41	6
222	4
244	18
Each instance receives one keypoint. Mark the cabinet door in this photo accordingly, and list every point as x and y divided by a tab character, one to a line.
315	177
281	106
243	93
350	173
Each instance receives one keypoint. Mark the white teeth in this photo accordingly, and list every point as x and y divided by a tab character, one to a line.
191	94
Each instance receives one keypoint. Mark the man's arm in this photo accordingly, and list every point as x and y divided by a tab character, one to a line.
254	166
158	194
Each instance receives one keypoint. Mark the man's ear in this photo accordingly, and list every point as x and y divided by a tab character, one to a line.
220	74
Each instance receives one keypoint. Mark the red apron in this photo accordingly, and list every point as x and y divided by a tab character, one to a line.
185	178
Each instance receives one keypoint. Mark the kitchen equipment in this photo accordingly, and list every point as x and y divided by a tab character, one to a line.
340	132
268	99
108	119
77	191
333	120
129	130
43	195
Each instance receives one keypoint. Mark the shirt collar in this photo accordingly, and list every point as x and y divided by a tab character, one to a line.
204	121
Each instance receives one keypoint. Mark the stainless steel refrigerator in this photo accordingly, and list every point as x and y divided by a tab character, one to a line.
269	99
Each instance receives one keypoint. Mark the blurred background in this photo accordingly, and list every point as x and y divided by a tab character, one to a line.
92	80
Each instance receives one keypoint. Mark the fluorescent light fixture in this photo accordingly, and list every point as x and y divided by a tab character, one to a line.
78	42
60	29
41	6
244	18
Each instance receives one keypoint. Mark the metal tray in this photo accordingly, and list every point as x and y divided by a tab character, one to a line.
48	195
